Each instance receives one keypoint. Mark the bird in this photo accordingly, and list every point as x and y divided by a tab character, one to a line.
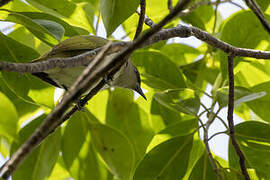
127	76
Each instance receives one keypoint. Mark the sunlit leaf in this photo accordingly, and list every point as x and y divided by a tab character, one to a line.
254	141
114	148
114	12
41	161
9	118
168	160
182	100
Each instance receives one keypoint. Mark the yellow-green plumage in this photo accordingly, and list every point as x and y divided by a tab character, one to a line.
126	77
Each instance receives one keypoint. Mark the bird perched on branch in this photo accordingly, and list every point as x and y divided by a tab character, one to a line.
126	77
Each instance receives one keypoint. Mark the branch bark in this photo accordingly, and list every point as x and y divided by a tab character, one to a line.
230	119
259	13
141	19
181	31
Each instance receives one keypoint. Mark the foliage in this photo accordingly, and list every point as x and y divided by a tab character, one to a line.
120	136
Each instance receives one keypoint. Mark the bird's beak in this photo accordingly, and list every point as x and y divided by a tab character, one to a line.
140	92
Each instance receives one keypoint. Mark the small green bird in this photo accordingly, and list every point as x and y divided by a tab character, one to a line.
126	77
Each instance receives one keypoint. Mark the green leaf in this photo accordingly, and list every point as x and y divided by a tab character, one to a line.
99	109
39	164
114	12
241	95
180	128
59	171
69	29
261	106
203	17
36	91
54	28
37	29
78	154
24	109
203	169
263	5
157	9
23	36
180	54
253	36
151	65
115	149
9	118
253	138
181	100
168	116
197	74
168	160
77	14
196	153
125	115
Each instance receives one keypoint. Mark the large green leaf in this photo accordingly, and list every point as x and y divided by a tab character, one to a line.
9	118
158	71
261	106
253	36
180	54
241	95
47	32
78	154
39	164
23	36
168	115
203	17
69	29
99	109
253	138
181	100
115	149
203	169
168	160
25	86
114	12
248	74
59	171
264	5
180	128
125	115
24	109
78	14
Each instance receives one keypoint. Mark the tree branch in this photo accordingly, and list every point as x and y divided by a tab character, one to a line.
259	13
230	118
94	71
169	5
141	19
181	31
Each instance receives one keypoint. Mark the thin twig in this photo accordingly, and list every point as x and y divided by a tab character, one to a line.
218	133
170	5
210	155
216	14
206	3
141	19
230	119
259	13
